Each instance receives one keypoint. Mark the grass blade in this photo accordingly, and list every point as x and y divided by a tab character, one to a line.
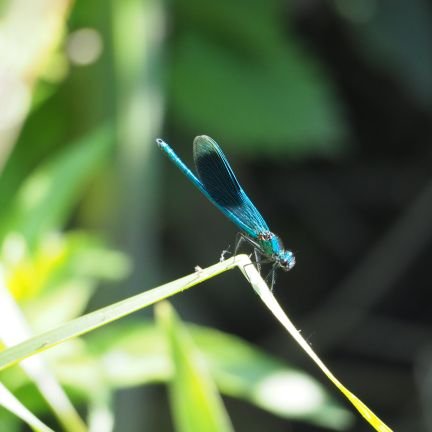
9	402
103	316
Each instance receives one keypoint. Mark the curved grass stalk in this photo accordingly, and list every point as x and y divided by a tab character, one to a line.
98	318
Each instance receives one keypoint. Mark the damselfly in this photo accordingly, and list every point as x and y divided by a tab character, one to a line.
217	181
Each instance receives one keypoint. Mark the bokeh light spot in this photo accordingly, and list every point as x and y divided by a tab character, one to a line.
84	46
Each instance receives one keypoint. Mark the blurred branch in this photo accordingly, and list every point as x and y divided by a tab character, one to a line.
423	375
137	42
138	33
390	339
29	32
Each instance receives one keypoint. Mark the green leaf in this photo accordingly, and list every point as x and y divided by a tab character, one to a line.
135	353
243	371
195	402
46	198
252	83
72	279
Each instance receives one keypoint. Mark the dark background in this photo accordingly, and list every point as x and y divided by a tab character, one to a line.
351	196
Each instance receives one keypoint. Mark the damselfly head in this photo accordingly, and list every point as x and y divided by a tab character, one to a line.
286	260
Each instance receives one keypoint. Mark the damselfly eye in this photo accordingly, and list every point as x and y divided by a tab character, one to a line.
287	262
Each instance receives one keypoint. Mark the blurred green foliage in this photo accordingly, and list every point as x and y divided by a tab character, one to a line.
238	72
55	186
53	263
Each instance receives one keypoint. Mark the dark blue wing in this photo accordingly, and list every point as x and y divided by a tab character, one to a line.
222	187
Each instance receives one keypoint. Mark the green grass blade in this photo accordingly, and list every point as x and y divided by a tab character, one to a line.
266	295
9	402
11	317
100	317
113	312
